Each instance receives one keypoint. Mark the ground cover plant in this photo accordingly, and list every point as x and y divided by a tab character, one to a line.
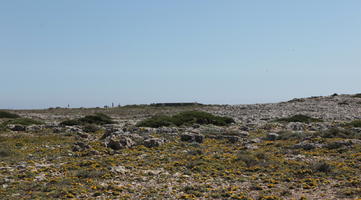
299	118
42	166
5	114
23	121
185	118
355	123
357	95
98	118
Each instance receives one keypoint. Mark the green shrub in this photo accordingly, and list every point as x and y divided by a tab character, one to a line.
98	118
340	133
322	167
357	95
299	118
289	135
23	121
356	123
90	128
248	159
187	118
5	114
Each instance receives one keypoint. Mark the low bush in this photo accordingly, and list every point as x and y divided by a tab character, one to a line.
357	95
340	133
299	118
322	167
187	118
5	114
22	121
289	135
90	128
356	123
98	118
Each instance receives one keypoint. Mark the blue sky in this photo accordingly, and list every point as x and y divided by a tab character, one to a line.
92	53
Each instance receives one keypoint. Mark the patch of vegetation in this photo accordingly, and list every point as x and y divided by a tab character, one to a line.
98	118
340	133
22	121
322	167
90	128
185	118
5	114
289	135
355	123
357	95
175	104
299	118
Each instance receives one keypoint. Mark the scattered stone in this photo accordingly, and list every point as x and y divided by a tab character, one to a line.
307	145
232	139
244	134
34	128
120	143
295	126
80	146
16	127
272	136
153	142
83	135
119	169
255	140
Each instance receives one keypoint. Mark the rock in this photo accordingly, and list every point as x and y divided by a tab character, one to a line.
80	146
272	136
295	126
232	139
192	137
16	127
166	130
244	134
251	146
58	130
119	169
153	142
83	135
120	143
255	140
72	129
34	128
339	144
306	145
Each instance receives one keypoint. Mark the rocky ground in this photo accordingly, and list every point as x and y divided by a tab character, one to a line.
258	157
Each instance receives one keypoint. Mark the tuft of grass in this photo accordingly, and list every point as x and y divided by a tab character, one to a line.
187	118
5	114
299	118
98	118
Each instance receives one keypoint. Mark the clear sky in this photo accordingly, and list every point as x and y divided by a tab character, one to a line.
92	53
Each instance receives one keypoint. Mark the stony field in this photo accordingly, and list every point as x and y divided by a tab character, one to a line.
301	149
